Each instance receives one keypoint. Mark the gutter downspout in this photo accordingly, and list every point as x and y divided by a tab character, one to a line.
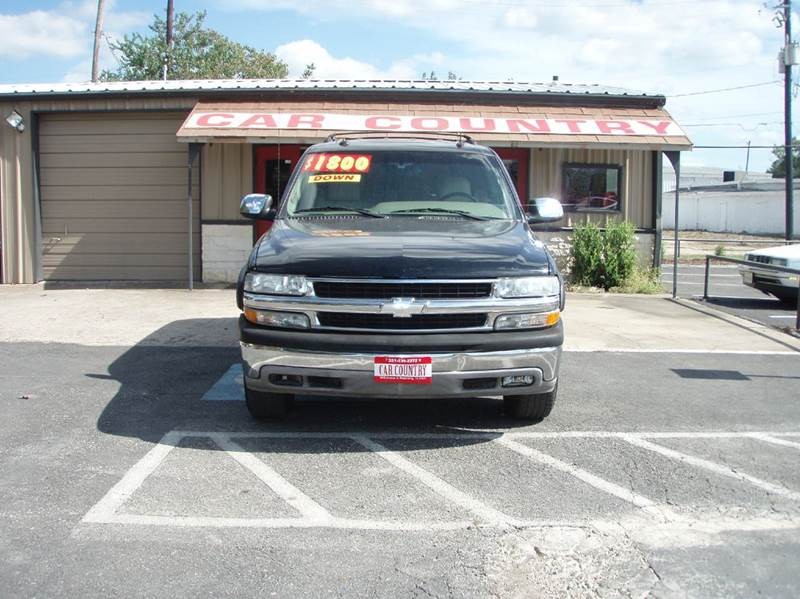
194	150
18	192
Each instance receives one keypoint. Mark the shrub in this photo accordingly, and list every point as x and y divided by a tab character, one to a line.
587	255
642	280
719	250
619	249
603	258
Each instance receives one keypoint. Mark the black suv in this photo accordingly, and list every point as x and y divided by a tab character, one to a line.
400	267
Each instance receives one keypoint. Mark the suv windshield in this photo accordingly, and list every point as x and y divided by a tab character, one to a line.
401	183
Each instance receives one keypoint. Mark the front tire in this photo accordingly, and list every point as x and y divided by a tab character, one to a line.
535	406
267	406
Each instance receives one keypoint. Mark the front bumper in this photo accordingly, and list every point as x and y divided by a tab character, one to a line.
456	374
768	279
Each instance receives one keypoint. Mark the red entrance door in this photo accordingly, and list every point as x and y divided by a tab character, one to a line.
273	166
517	161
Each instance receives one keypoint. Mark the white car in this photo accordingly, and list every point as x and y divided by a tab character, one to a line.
782	285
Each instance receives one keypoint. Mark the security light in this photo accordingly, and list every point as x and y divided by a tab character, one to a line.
15	120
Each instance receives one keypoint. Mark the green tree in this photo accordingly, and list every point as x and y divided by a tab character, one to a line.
197	53
308	73
451	76
778	167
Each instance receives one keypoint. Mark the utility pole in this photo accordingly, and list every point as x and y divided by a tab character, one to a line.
170	26
747	160
98	34
789	58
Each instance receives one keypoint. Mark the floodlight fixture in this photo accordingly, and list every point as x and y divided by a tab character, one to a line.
15	120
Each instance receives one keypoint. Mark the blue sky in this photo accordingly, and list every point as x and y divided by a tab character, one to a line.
673	47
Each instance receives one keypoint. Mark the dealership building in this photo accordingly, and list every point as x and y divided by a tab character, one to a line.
141	181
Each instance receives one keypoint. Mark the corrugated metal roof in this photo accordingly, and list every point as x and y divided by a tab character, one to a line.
255	85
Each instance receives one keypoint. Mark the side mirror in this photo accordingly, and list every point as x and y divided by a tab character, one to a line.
257	206
545	210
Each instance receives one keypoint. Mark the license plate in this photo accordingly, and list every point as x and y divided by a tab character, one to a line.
406	370
747	277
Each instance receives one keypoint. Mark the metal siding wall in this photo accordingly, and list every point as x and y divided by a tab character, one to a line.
227	176
114	205
637	200
17	226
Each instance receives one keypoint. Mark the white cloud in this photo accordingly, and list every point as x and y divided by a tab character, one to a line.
41	33
300	53
65	32
657	46
79	73
520	17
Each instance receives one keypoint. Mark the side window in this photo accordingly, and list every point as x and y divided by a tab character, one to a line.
594	187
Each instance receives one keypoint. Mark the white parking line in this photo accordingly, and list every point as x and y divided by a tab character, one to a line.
711	285
703	266
336	523
640	501
105	509
774	440
456	433
313	515
309	508
487	514
733	352
668	275
711	466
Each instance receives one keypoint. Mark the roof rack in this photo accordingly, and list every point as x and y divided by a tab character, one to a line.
344	136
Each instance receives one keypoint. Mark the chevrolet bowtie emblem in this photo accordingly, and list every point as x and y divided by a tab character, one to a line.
402	307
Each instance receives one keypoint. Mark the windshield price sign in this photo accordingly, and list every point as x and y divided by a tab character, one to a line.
338	163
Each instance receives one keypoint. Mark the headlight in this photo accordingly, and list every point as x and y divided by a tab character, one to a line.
537	320
270	318
528	287
277	284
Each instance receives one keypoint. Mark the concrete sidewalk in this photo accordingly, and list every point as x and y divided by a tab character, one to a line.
614	322
126	317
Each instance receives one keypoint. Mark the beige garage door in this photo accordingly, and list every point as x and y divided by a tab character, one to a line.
114	197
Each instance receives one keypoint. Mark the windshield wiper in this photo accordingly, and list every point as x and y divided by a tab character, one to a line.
363	211
442	211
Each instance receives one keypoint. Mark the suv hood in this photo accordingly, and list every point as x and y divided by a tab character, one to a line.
400	247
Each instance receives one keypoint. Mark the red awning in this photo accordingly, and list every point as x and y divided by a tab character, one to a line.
307	122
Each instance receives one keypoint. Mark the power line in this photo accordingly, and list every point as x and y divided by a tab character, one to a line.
724	89
797	145
737	116
740	125
570	4
483	5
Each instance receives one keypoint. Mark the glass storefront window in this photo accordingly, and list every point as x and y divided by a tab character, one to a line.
595	187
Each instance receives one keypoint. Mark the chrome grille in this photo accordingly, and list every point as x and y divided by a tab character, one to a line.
346	320
757	258
418	290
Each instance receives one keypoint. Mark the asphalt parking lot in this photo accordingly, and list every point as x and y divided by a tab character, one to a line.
728	294
133	470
